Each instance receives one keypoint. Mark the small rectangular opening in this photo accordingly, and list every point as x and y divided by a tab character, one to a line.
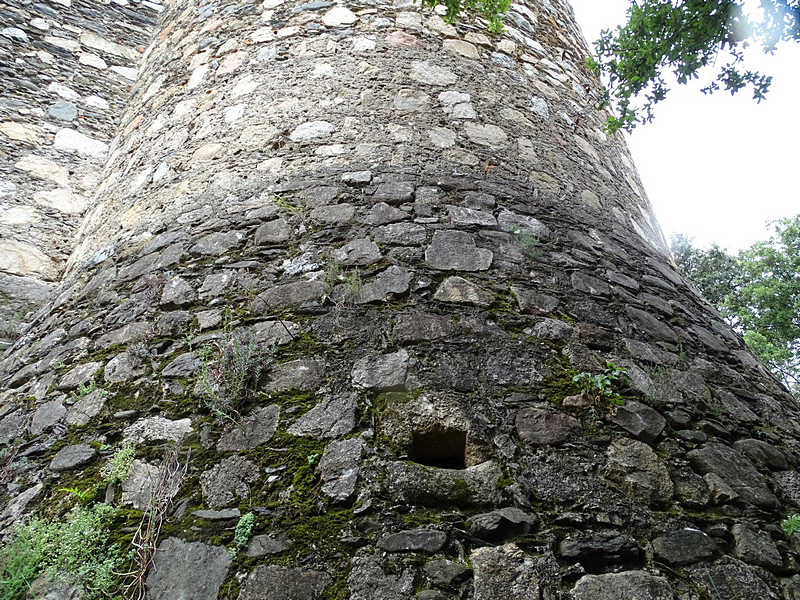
443	448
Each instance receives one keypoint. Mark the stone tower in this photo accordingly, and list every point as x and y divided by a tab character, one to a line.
353	268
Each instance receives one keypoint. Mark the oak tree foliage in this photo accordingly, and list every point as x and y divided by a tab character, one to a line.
757	291
680	38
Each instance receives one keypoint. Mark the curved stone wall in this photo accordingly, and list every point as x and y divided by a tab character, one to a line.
359	262
66	71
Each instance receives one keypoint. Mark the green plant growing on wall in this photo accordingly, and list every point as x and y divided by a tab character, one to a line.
243	532
791	524
354	284
84	389
331	276
118	467
491	10
231	369
600	386
298	209
76	550
83	496
529	243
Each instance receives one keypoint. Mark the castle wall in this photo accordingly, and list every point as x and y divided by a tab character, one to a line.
66	71
415	237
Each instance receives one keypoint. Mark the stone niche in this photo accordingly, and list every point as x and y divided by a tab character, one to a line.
435	430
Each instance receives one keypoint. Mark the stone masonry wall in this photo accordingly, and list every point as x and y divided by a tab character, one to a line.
352	258
66	70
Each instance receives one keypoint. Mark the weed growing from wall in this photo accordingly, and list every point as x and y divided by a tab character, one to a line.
76	551
118	467
791	524
232	367
243	532
599	387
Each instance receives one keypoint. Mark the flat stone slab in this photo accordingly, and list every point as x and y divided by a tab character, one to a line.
70	457
339	468
333	417
175	573
381	372
253	430
156	429
228	480
629	585
638	471
458	290
456	251
284	583
685	547
413	540
507	572
544	427
735	470
639	420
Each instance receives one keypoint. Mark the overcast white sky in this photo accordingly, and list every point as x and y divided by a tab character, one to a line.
717	168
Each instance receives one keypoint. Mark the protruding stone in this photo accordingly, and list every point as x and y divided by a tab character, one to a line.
685	547
338	16
755	547
71	140
413	540
331	418
339	468
73	456
381	372
639	420
735	470
228	480
628	585
252	431
486	135
461	291
157	429
638	471
507	572
461	48
540	426
312	131
357	252
456	251
425	72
